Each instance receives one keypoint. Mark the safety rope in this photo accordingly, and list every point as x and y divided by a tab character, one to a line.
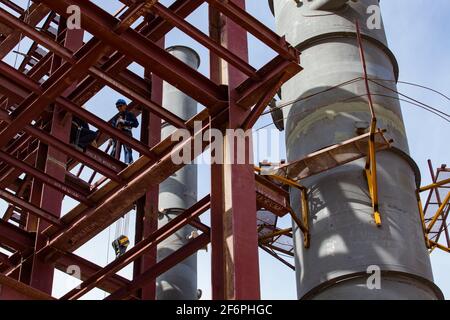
107	251
118	228
126	224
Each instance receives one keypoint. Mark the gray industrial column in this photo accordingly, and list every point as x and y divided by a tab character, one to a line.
176	194
345	242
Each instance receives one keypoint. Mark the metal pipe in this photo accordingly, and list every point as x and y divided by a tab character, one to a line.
176	194
345	241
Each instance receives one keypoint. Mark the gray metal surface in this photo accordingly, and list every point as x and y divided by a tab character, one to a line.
177	193
344	238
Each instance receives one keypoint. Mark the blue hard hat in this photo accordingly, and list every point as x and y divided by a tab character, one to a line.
121	102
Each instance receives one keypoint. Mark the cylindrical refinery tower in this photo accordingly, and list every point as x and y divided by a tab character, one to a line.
176	194
347	248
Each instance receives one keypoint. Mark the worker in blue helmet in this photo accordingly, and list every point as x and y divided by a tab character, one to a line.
125	121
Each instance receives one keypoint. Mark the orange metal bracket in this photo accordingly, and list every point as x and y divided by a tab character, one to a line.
302	223
371	163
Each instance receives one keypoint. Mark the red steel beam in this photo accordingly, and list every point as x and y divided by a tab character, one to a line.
58	82
67	260
45	178
15	237
235	12
9	212
195	34
147	207
238	200
13	6
158	27
154	31
145	52
41	275
8	89
21	147
12	261
35	198
16	290
96	72
63	78
4	260
41	68
88	269
150	274
29	207
217	219
107	171
262	104
112	200
140	248
18	147
278	257
10	177
249	91
39	37
32	51
106	168
21	80
106	127
132	80
136	97
37	12
135	11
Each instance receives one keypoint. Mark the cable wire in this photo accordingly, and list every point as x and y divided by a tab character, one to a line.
408	97
118	228
283	105
107	252
414	102
416	85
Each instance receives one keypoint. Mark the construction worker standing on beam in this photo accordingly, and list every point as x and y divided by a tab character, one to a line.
125	121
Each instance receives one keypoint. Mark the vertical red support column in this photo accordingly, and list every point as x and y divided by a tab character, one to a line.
32	221
233	211
218	281
51	200
147	208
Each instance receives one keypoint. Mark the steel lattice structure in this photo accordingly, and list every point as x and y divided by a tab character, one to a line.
435	212
59	74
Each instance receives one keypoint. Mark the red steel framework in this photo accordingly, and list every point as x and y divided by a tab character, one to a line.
59	74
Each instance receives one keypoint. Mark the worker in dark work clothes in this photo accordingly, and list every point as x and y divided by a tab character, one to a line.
80	134
125	121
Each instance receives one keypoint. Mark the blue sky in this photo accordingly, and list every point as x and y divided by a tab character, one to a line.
417	31
418	35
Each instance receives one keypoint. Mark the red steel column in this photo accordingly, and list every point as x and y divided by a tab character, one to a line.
51	199
218	281
233	212
32	221
147	213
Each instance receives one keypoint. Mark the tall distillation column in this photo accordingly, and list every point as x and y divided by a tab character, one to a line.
345	242
178	193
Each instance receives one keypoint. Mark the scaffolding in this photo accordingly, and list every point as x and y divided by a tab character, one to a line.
434	214
57	77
